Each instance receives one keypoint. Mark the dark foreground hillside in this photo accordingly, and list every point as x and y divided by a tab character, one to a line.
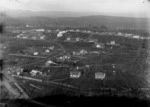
65	101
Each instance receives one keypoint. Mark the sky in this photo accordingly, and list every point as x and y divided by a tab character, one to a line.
109	6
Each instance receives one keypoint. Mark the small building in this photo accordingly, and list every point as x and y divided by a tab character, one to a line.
51	47
15	70
68	38
87	66
99	45
35	53
136	36
77	30
114	72
75	74
77	39
113	65
49	62
88	31
18	36
119	33
47	50
112	43
40	30
66	57
34	38
42	37
83	52
25	37
35	72
100	75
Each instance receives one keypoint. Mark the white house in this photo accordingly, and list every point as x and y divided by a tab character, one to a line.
18	36
49	62
77	30
113	65
77	39
47	50
40	30
88	31
68	38
114	72
83	52
51	48
119	33
99	45
75	74
35	72
60	34
100	75
136	36
24	37
34	38
36	53
112	42
42	37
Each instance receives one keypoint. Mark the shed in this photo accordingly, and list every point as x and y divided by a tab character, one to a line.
75	74
100	75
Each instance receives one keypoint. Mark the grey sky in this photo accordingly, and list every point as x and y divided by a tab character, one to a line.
113	6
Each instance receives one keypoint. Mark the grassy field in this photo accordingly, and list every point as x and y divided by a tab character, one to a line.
129	59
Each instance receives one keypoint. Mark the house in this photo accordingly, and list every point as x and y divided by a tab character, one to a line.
60	34
47	50
18	36
27	25
119	33
114	72
35	72
25	37
87	66
77	30
34	38
95	52
66	57
51	48
68	38
77	39
112	43
83	52
113	65
75	74
92	40
99	45
136	36
49	31
40	30
49	62
88	31
15	70
35	53
100	75
42	37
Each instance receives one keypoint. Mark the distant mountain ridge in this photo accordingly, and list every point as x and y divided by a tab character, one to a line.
97	20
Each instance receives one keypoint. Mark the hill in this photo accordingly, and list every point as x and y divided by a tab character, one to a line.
97	20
